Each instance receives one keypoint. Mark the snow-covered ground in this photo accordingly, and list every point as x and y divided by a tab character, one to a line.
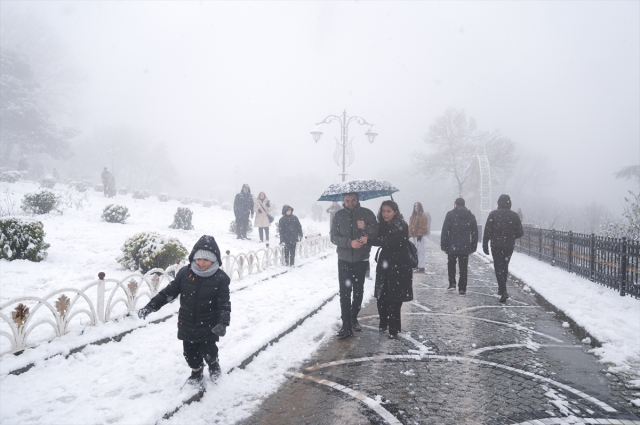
612	319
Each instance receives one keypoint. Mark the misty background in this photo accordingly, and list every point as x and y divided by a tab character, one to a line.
197	98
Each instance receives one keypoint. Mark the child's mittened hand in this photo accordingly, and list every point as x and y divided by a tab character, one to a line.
143	312
219	329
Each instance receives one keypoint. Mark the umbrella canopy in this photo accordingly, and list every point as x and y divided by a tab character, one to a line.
366	189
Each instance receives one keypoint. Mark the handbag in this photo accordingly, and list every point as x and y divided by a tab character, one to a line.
269	216
413	255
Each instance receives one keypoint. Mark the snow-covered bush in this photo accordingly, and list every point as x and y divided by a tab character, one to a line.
123	191
79	186
206	204
185	200
198	201
214	202
98	187
70	198
115	214
163	197
232	227
22	239
41	202
140	194
146	251
10	176
182	219
629	226
226	206
48	182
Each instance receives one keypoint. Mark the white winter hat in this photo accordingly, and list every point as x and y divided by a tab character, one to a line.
207	255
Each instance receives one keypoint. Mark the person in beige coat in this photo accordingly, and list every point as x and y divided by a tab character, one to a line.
262	210
418	230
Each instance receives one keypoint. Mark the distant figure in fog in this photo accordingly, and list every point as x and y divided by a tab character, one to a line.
108	183
290	231
502	229
243	208
458	240
332	210
520	215
428	223
418	230
316	211
262	209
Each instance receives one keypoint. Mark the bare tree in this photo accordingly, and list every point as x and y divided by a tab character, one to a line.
628	173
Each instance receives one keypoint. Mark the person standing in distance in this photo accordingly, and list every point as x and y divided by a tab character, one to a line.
350	229
243	208
418	230
502	229
458	240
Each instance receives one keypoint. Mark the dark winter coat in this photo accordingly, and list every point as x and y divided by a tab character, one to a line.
204	301
503	226
289	227
243	203
344	229
459	232
394	274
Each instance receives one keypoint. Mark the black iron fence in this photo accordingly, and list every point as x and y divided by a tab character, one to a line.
608	261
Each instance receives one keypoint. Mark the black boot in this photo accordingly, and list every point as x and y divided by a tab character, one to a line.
196	379
355	325
214	370
344	333
503	298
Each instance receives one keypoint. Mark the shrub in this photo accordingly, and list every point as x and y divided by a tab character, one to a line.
22	239
41	202
10	176
163	197
123	191
140	194
79	186
98	187
232	227
226	206
48	182
185	200
206	204
214	202
146	251
198	201
115	214
182	219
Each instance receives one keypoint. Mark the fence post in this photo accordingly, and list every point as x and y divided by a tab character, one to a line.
553	247
540	244
227	264
592	257
100	303
570	249
623	267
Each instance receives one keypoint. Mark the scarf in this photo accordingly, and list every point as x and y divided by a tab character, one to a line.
213	268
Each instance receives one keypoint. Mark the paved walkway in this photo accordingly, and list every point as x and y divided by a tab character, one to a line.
460	360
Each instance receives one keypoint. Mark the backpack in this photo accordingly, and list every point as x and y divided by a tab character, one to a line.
413	255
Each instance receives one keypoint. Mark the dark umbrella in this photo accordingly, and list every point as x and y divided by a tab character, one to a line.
366	189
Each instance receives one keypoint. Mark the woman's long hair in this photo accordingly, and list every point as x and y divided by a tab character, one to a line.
420	209
394	207
262	193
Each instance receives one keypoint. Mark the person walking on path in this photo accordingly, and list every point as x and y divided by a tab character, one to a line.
502	229
429	223
459	239
520	215
332	210
290	231
243	208
350	228
106	181
262	210
205	307
418	230
394	277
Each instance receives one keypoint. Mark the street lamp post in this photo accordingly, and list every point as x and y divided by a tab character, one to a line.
344	143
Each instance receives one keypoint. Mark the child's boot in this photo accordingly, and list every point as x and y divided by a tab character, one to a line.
214	370
196	379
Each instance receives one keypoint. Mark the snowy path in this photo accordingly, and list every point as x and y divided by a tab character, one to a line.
138	380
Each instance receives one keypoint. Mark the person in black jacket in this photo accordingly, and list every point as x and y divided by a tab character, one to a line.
394	273
243	208
205	307
290	231
502	229
459	239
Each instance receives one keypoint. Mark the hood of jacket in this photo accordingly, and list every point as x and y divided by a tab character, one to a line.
286	207
246	186
208	243
504	202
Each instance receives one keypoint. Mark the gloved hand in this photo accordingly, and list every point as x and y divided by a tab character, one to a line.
268	204
485	249
219	329
419	238
144	312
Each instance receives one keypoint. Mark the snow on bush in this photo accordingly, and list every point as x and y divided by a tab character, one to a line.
98	187
41	202
146	251
182	219
48	182
214	202
123	191
10	176
206	204
70	198
22	239
226	206
163	197
185	200
232	227
115	214
140	194
79	186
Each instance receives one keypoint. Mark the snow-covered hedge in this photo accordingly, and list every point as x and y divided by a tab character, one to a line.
232	227
206	204
226	206
41	202
185	200
140	194
115	214
48	182
182	219
163	197
146	251
79	186
123	191
10	176
22	239
98	187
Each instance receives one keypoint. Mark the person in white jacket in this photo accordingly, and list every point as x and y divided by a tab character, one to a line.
262	210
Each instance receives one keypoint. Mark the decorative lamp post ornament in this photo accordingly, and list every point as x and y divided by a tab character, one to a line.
316	133
371	135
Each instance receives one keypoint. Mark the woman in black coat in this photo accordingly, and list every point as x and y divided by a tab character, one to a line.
205	307
394	274
290	231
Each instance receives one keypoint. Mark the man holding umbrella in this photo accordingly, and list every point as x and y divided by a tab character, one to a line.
350	229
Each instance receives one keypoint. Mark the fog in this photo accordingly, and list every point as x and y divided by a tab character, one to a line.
233	89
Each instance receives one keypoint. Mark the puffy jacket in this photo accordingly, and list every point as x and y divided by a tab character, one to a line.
204	301
503	226
459	232
243	203
418	225
344	229
289	227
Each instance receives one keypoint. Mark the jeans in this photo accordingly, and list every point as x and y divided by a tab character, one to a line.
389	312
290	253
266	232
422	250
241	226
463	262
351	277
194	352
501	258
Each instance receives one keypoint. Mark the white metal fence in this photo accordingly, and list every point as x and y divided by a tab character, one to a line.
23	320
